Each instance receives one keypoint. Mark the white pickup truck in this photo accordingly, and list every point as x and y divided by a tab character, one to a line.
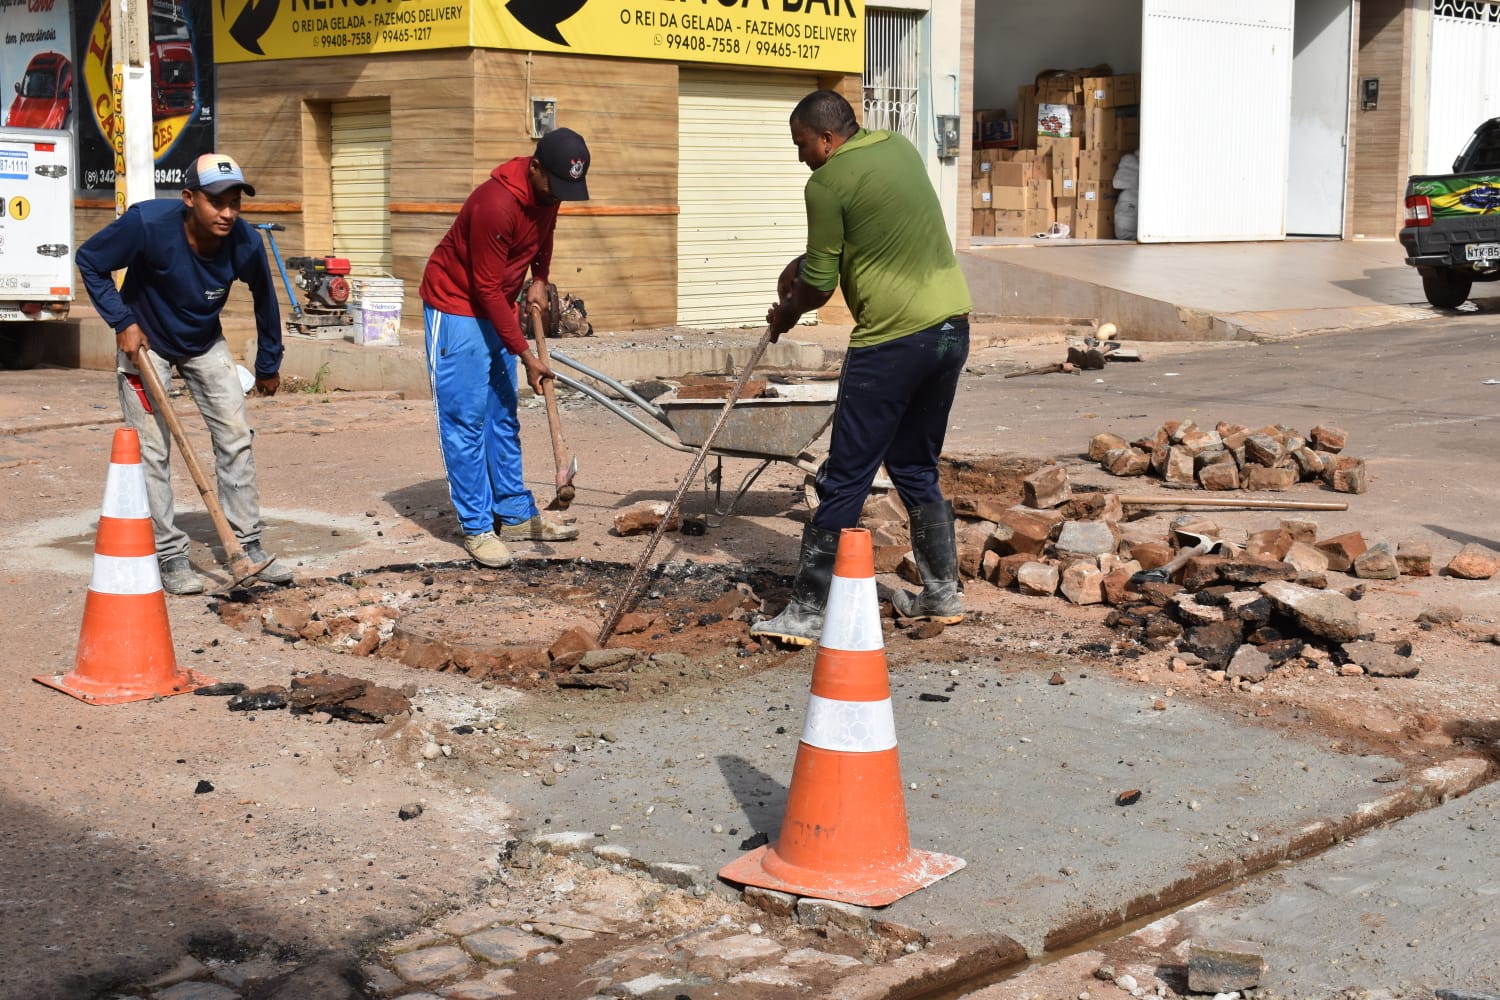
36	239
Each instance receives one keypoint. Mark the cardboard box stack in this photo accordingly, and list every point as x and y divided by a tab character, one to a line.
1070	130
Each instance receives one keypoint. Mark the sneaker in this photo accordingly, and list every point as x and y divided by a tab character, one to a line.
177	577
540	529
487	550
274	573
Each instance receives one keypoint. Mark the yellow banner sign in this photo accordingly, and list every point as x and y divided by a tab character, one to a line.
806	35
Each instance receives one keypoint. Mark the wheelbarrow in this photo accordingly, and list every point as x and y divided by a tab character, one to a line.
782	428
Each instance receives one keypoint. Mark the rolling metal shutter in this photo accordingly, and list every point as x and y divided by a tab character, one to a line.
362	184
739	194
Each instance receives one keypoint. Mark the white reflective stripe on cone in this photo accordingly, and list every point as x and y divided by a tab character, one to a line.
125	575
125	492
851	620
855	726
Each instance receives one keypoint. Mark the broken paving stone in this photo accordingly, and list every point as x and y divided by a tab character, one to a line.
1085	539
1443	614
639	518
574	640
1378	659
925	630
1038	579
261	699
1083	583
409	811
1215	643
634	622
1319	612
1347	475
1249	662
222	689
1250	571
1342	550
318	690
1101	445
1377	562
1221	965
1473	562
1329	439
1047	487
1414	558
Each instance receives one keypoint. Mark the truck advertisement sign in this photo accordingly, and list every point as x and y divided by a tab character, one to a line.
181	84
36	70
1461	195
805	35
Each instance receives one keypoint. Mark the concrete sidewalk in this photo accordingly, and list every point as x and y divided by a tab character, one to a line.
1205	291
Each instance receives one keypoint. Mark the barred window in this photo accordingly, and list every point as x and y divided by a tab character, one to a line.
892	70
1468	10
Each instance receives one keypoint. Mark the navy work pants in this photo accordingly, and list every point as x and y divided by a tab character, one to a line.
892	408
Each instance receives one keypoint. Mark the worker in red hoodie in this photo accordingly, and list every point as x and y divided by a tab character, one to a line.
469	295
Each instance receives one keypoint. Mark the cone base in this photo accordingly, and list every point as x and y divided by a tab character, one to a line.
95	693
876	888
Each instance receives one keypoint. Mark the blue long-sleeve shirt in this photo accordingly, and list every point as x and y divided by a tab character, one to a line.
173	293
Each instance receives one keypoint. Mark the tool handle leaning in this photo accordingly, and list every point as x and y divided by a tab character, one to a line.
233	551
628	595
549	396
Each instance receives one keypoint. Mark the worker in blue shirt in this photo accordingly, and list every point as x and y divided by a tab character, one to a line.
180	257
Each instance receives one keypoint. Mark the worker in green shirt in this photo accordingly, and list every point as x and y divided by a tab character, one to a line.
875	227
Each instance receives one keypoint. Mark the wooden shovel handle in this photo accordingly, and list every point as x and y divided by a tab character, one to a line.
549	395
234	553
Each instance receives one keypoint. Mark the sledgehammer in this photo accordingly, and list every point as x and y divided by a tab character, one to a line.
241	568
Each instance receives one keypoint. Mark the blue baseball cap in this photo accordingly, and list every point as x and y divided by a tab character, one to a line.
215	173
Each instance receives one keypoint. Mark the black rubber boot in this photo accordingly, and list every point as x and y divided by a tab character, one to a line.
801	621
935	549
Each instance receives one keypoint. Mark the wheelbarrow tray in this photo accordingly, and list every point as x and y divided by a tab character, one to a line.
778	427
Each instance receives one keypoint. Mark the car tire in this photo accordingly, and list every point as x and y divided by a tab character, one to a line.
21	348
1446	288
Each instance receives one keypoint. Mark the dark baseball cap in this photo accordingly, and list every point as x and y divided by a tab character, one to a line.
563	155
215	173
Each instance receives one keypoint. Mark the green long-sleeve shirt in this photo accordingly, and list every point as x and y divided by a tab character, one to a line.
874	226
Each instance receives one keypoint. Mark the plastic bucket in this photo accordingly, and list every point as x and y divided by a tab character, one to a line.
375	308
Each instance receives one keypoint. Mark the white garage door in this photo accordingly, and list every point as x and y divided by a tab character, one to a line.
1465	86
362	184
739	194
1215	96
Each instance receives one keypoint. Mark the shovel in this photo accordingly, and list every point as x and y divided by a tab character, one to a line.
567	467
241	568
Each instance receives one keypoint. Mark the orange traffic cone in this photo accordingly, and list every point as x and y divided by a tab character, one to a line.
125	646
844	834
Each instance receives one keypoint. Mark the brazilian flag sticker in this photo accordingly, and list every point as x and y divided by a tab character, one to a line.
1458	196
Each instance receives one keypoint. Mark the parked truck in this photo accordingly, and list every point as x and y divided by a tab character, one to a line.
1452	231
36	240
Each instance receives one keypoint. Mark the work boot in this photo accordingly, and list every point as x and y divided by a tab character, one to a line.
801	621
487	550
177	577
539	529
936	552
274	573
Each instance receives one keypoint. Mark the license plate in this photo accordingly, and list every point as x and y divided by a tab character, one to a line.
1482	251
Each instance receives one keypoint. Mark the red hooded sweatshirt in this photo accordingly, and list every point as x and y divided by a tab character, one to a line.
479	266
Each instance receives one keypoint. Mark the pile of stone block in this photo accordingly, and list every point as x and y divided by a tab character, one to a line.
1284	594
1233	457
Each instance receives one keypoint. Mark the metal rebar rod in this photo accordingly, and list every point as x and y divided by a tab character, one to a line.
631	585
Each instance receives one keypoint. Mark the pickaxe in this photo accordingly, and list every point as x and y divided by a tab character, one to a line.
567	467
1202	545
